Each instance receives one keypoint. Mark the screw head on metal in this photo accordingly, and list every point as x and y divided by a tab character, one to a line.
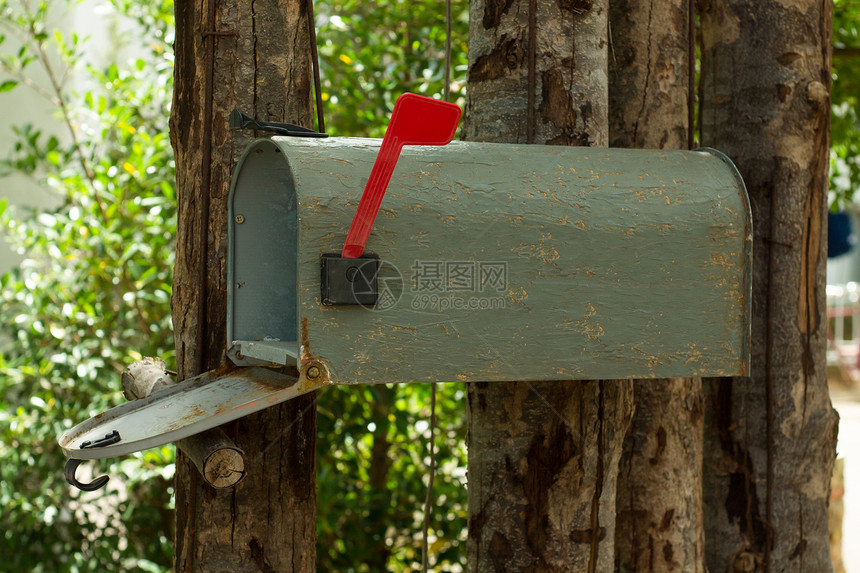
313	372
240	219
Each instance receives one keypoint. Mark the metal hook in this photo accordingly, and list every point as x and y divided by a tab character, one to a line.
69	472
72	464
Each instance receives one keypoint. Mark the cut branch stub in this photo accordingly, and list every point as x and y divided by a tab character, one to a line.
219	460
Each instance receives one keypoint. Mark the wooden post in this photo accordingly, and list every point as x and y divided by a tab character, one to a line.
543	457
659	501
254	56
770	438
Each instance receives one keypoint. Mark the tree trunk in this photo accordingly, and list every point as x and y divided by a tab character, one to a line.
770	438
659	502
543	457
649	74
254	56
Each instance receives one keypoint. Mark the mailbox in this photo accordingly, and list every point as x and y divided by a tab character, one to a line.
486	262
491	262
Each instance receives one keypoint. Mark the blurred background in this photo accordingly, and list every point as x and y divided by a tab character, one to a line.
87	197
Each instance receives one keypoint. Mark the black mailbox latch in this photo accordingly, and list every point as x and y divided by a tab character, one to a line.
349	281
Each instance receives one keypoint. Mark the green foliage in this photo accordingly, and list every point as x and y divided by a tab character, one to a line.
91	295
372	459
845	116
371	52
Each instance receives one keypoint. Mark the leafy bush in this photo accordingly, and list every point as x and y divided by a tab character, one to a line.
91	295
372	459
371	52
845	115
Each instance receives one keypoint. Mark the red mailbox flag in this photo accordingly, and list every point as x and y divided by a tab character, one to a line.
416	120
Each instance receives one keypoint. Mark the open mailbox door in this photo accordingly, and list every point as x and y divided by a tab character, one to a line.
486	262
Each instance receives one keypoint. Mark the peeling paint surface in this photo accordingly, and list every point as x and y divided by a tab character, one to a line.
619	263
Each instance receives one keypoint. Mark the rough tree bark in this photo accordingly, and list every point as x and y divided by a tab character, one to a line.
543	457
649	74
770	438
659	502
254	56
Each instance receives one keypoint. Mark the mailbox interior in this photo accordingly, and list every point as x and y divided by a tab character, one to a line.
261	293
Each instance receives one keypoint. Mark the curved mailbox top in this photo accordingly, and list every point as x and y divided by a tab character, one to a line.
496	262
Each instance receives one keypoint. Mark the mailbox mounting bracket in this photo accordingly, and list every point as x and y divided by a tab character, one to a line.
349	281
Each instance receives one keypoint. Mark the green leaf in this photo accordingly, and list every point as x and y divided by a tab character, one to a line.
7	85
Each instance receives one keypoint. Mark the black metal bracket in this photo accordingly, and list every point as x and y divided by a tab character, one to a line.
239	120
349	281
72	464
109	439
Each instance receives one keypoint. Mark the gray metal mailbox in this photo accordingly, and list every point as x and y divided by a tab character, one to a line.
486	262
492	262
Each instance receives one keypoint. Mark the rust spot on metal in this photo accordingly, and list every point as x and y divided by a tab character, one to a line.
195	413
225	368
305	340
307	384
